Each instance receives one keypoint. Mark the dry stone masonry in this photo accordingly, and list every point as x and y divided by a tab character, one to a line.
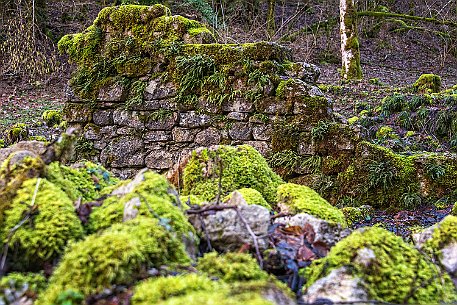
157	86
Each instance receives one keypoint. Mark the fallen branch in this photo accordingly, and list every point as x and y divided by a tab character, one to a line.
407	17
254	237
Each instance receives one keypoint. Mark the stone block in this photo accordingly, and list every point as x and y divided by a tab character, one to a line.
127	118
184	134
240	131
208	137
159	159
193	119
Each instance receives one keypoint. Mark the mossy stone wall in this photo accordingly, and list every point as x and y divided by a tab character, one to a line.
150	86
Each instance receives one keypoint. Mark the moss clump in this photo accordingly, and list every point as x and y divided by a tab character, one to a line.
242	167
153	291
52	117
14	286
85	181
17	132
302	199
51	226
357	214
454	210
251	196
381	178
386	132
191	200
231	267
428	83
114	257
444	234
394	271
156	200
18	167
73	182
226	297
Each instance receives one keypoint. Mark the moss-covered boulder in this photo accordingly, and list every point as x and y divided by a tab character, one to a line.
82	182
114	257
440	243
250	196
47	220
385	267
240	167
428	83
203	290
231	267
149	195
21	287
294	198
17	167
153	291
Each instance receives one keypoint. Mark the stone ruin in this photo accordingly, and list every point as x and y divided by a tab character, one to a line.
151	88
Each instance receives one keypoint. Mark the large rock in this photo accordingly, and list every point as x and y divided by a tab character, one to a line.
387	268
328	233
440	242
338	286
226	231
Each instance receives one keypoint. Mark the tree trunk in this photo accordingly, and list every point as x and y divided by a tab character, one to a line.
350	53
271	25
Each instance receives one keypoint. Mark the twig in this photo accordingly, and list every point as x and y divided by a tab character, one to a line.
208	241
219	185
16	227
254	237
210	208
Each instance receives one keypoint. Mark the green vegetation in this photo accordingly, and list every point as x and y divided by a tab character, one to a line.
251	196
89	267
53	222
52	117
396	272
242	167
302	199
231	267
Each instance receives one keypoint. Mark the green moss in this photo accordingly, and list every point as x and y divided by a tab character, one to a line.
52	117
444	234
428	83
380	177
191	200
231	267
208	298
114	257
76	184
386	132
2	143
251	196
21	284
302	199
353	120
153	291
17	132
397	274
53	222
242	167
357	214
155	200
454	210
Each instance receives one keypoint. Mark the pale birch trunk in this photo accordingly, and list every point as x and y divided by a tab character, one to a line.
350	52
